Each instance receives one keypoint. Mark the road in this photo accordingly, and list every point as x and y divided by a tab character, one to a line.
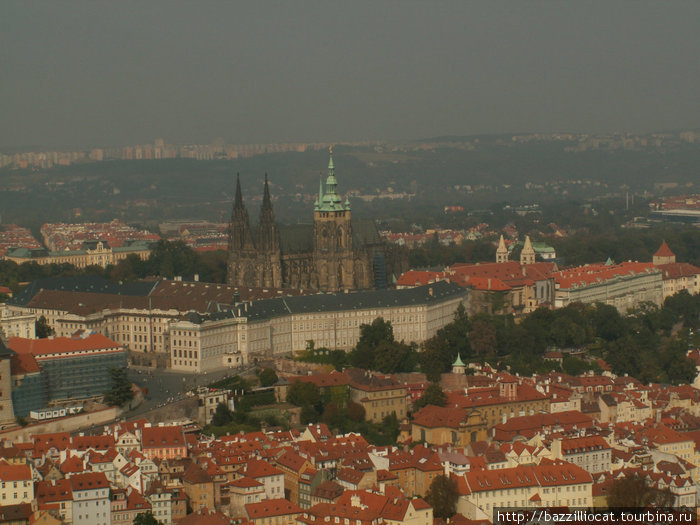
166	386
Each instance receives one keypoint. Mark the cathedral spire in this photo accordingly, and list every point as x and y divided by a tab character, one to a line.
268	237
238	201
328	198
331	182
266	204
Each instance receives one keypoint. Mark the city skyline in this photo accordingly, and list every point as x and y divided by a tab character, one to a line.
94	75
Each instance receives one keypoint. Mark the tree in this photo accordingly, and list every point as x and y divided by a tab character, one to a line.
128	269
439	352
146	518
685	306
482	337
371	335
434	358
607	322
331	415
121	392
634	491
169	259
355	411
442	496
308	415
303	393
433	395
43	329
268	377
392	357
222	415
574	366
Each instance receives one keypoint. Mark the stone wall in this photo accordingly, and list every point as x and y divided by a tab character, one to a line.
64	424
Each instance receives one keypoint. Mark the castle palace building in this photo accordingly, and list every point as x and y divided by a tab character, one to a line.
335	253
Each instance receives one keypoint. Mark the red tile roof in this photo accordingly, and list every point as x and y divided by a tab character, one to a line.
88	481
62	345
678	270
664	251
432	416
11	472
419	278
205	517
271	508
597	273
196	475
662	435
245	482
257	468
101	442
323	380
546	474
162	437
531	425
350	475
52	491
72	464
22	364
44	442
292	461
583	444
319	513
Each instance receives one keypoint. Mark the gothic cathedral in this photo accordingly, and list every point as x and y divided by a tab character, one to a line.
334	253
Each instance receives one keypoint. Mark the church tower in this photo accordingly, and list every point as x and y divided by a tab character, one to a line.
333	250
241	250
502	251
268	243
527	256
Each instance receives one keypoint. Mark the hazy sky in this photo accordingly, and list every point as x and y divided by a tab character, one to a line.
117	72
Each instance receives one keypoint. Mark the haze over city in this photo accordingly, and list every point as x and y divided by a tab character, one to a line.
86	74
390	263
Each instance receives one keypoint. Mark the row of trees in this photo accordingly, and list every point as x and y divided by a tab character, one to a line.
340	413
649	343
376	349
167	259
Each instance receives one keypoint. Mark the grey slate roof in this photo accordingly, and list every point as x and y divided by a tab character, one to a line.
296	238
299	238
81	283
5	352
334	302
